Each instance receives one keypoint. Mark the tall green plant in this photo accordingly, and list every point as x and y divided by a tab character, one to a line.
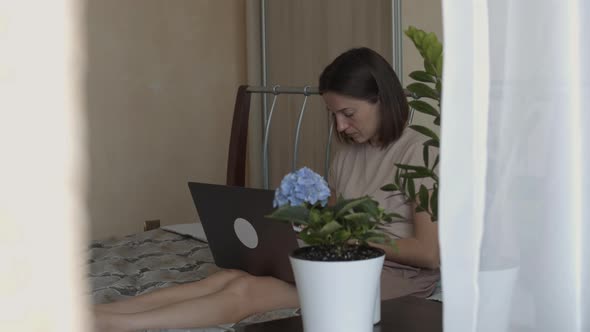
428	85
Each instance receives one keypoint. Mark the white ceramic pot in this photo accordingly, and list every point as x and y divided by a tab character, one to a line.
338	296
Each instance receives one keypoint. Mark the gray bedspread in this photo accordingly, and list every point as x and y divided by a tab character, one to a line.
136	264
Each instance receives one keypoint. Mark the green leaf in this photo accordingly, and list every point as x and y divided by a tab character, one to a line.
327	215
397	216
346	205
385	218
423	195
412	168
330	227
312	238
421	90
425	131
314	216
433	50
423	107
425	154
410	31
341	235
434	204
359	217
436	160
296	214
422	76
390	187
411	188
438	87
437	121
430	68
419	36
416	175
439	66
429	41
371	207
429	48
432	142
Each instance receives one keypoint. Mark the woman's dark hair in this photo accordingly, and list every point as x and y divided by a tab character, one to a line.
364	74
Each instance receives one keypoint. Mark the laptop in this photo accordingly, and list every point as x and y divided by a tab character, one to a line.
239	234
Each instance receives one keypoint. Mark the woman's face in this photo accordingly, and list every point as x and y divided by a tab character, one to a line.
355	118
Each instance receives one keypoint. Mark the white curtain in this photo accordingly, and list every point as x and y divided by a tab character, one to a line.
515	189
43	266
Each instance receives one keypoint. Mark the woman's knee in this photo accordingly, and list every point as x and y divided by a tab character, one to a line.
244	286
229	274
249	289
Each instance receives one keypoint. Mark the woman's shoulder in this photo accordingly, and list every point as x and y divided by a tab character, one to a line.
410	137
406	142
408	147
412	151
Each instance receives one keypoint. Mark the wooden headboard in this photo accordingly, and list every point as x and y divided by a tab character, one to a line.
238	142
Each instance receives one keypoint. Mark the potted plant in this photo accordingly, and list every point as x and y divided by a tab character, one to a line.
428	86
338	274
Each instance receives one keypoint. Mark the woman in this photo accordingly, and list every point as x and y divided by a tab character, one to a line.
370	112
365	97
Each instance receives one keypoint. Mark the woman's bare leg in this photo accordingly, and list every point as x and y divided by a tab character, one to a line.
173	294
241	298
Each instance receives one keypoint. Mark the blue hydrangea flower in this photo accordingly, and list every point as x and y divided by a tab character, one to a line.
302	186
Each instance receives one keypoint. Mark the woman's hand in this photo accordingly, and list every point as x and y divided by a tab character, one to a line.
422	249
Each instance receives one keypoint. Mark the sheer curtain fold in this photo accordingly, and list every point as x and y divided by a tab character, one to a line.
514	186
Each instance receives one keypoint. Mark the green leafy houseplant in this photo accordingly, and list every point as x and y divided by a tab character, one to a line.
340	230
428	86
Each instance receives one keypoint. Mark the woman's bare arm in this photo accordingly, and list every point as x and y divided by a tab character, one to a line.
422	249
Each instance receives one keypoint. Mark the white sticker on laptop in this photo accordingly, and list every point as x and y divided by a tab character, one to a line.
246	233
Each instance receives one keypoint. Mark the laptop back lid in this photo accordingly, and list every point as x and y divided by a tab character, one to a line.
239	235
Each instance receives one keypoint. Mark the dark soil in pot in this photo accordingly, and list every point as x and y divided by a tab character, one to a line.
337	254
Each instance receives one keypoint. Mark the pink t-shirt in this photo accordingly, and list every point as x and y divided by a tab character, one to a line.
362	169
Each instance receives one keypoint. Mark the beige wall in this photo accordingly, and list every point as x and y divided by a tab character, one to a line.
160	85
